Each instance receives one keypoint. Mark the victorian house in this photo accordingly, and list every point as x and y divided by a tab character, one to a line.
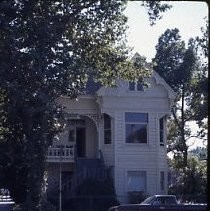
119	131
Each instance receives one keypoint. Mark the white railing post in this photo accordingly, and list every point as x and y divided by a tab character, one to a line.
54	153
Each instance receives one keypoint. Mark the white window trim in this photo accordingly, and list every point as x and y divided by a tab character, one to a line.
164	131
135	169
135	87
112	132
147	123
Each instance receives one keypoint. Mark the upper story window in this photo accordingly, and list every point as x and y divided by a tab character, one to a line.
161	131
136	127
107	129
135	86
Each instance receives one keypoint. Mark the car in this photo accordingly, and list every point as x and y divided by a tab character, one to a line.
160	200
6	202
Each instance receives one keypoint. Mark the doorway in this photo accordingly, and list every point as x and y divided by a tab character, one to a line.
80	141
77	135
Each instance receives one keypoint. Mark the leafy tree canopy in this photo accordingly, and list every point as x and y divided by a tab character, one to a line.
191	185
48	49
155	10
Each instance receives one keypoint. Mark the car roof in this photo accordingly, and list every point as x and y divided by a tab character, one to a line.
164	195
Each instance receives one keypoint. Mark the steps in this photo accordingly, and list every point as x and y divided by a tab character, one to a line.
90	168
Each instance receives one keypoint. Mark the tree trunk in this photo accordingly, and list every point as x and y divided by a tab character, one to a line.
35	158
184	145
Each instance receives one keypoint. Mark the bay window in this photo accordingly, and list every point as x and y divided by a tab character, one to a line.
136	127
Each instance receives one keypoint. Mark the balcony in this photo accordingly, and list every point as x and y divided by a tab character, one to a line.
60	154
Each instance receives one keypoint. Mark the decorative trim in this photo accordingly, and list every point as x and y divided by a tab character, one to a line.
95	118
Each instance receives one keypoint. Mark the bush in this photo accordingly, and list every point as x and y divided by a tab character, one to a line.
136	197
92	195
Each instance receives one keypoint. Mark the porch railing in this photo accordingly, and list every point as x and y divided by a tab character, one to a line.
60	154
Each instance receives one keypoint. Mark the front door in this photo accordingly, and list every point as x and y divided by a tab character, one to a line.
77	135
80	141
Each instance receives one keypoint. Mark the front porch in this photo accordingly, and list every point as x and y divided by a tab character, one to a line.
61	154
79	139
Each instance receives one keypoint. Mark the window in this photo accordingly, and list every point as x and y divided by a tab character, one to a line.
135	86
131	86
161	131
136	127
162	180
71	135
136	181
107	129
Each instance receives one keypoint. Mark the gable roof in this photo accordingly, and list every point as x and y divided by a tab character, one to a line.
96	88
161	81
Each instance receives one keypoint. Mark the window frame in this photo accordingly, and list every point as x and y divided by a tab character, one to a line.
135	86
142	173
161	131
137	122
162	180
109	129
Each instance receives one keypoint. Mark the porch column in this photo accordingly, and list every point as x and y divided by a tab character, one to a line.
96	118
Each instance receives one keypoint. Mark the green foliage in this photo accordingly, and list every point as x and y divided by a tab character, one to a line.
190	185
92	187
176	64
93	195
136	197
155	8
199	152
199	84
169	58
48	49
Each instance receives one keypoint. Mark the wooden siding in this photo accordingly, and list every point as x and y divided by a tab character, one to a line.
80	104
150	157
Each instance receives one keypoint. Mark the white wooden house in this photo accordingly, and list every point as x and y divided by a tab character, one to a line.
125	126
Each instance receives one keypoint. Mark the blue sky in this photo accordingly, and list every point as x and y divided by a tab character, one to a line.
187	16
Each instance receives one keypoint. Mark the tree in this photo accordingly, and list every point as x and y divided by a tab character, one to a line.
154	10
176	64
190	185
48	49
184	70
199	102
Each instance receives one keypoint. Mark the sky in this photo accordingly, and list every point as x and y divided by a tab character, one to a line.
187	16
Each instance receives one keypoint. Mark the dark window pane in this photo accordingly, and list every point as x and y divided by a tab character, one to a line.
107	129
161	131
131	86
161	136
136	117
71	135
107	136
140	86
136	133
162	179
161	123
107	121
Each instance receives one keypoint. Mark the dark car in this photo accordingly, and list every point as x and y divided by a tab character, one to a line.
6	203
158	200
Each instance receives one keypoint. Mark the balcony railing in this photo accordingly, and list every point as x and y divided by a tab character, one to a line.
60	154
